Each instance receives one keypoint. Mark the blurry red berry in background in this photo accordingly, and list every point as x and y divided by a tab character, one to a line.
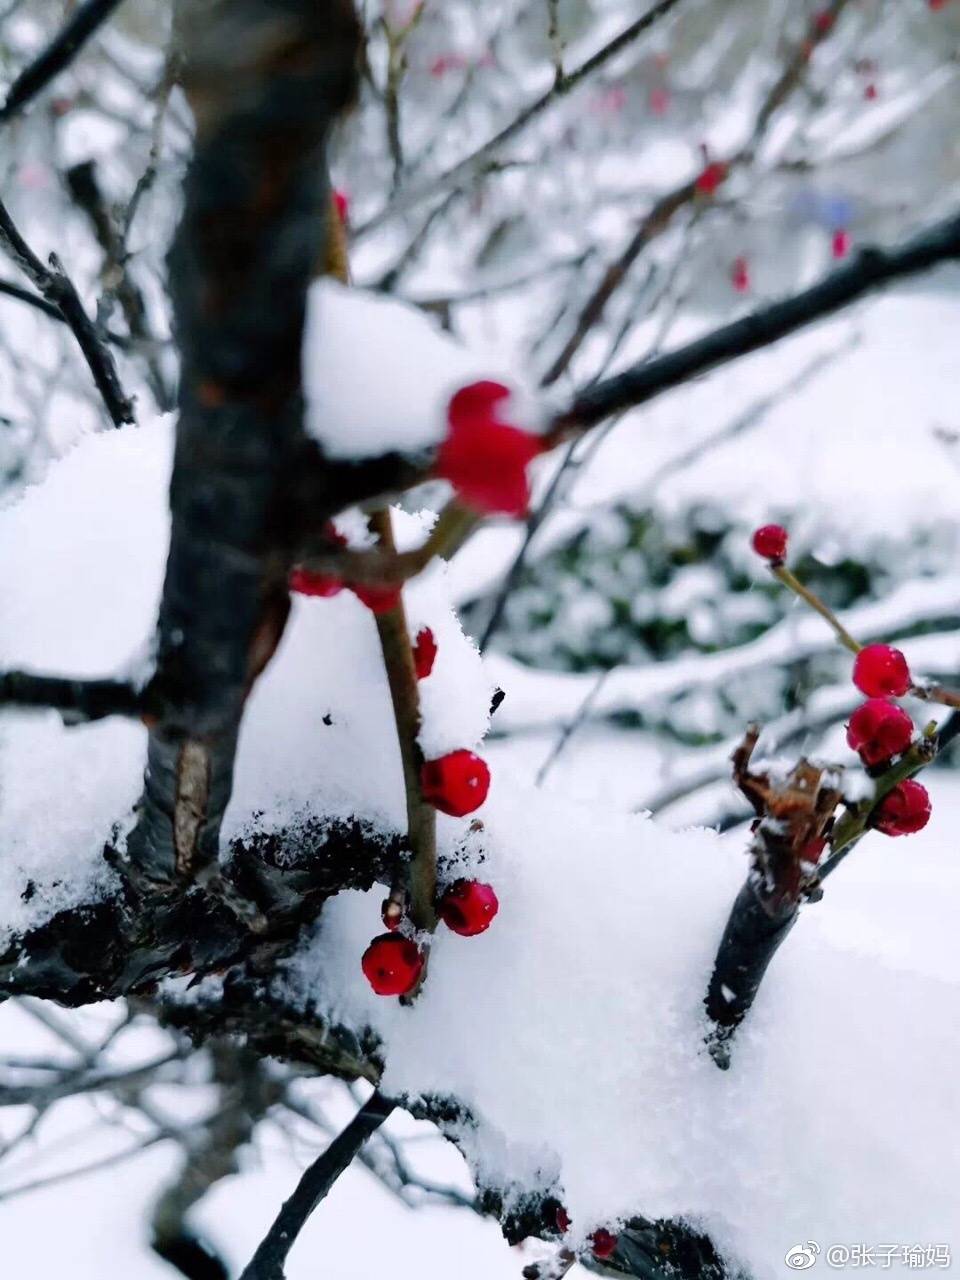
484	458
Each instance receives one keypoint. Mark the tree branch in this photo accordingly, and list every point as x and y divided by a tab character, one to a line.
58	290
872	268
268	1261
468	166
77	701
58	54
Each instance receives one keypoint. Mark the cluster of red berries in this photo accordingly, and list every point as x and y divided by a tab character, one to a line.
378	599
484	457
878	730
392	963
602	1241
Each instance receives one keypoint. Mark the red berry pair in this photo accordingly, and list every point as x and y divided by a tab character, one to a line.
393	964
602	1241
483	457
468	907
307	583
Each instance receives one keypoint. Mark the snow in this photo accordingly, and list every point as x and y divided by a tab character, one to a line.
95	534
418	368
573	1028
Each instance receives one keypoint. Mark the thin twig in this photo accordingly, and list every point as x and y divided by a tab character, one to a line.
268	1261
658	218
58	54
468	166
872	268
11	290
57	288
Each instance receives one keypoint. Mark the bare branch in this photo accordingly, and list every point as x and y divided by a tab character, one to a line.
58	290
872	268
268	1261
467	168
58	54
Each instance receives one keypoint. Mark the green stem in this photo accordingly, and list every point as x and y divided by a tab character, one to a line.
789	579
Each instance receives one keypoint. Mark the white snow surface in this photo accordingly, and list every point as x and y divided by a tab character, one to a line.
573	1028
81	565
399	399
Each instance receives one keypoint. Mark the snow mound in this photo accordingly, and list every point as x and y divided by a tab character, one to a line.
573	1028
378	374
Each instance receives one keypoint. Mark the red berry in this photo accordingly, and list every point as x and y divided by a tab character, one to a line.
740	275
391	913
424	652
770	541
563	1220
840	244
342	205
880	671
603	1242
870	92
823	22
937	4
484	458
879	730
392	964
710	178
306	583
377	599
456	783
904	810
468	907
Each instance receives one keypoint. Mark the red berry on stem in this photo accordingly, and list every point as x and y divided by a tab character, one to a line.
342	205
306	583
879	730
424	652
904	810
392	964
710	177
563	1220
456	783
870	92
603	1242
823	22
840	243
391	913
484	458
468	907
880	671
770	541
740	275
